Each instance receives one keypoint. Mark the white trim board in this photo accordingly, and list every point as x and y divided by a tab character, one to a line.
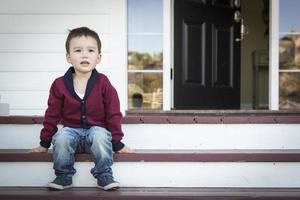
274	56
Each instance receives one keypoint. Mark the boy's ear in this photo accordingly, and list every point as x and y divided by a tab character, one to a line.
68	58
99	58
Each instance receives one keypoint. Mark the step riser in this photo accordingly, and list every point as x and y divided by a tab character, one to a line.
178	136
139	174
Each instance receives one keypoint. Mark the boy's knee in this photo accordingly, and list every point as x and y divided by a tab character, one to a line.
101	135
62	139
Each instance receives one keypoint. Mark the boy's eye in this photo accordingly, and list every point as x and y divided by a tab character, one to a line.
77	50
91	50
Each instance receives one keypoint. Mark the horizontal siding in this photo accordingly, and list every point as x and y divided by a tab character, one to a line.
9	81
54	7
26	112
32	51
33	24
25	100
30	96
40	43
41	62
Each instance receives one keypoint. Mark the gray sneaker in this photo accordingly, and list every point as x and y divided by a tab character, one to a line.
107	183
61	182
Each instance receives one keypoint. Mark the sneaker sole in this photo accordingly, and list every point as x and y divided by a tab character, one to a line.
112	186
58	187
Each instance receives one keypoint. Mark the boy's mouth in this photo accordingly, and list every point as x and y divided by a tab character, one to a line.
84	63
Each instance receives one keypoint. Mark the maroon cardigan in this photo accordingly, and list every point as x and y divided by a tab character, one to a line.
99	107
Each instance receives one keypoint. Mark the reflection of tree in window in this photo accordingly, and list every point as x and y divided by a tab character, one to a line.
289	51
138	60
286	52
289	89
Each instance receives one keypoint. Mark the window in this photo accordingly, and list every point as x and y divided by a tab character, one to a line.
145	54
289	54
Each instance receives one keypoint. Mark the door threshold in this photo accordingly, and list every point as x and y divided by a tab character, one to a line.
211	112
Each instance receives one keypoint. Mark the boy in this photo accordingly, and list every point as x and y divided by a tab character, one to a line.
87	105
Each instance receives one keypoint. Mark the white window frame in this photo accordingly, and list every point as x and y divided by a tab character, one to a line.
274	56
167	54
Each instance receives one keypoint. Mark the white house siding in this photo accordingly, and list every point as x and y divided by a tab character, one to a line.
32	53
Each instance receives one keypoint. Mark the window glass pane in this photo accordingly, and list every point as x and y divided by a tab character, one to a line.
289	51
289	54
145	16
145	90
145	54
289	90
289	16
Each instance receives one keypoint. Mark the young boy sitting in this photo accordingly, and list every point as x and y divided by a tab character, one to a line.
87	105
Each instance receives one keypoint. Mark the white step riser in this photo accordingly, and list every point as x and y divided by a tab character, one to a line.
179	136
163	174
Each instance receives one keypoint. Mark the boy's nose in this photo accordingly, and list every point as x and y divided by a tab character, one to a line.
84	53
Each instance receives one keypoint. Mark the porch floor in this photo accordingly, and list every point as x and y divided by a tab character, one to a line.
34	193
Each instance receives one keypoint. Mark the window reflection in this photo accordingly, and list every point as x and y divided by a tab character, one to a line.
145	54
145	90
289	51
289	89
289	16
145	16
289	55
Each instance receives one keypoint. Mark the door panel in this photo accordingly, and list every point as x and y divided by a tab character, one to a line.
206	55
193	59
222	57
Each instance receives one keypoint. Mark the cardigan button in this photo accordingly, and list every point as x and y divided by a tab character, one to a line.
83	116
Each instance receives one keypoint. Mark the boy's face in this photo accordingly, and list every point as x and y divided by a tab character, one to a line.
84	54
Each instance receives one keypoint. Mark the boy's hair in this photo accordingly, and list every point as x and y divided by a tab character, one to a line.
82	31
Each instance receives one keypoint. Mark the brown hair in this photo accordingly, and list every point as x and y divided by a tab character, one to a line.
82	31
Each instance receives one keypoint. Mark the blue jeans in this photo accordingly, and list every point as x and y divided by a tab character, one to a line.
96	141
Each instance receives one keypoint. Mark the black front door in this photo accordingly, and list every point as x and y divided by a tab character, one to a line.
206	55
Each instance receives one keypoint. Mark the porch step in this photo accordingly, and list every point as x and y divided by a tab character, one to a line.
23	155
172	131
177	136
235	168
36	193
189	151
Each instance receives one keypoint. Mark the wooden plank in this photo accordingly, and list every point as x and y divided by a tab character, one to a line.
54	24
41	43
42	62
54	7
165	119
25	99
23	155
36	193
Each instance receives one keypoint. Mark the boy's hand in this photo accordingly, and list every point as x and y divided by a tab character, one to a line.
125	149
39	149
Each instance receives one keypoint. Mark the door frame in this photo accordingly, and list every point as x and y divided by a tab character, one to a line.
168	60
168	54
274	56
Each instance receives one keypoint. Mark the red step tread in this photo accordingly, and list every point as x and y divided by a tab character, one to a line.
36	193
23	155
168	118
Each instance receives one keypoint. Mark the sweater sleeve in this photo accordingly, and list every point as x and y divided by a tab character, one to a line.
113	114
52	116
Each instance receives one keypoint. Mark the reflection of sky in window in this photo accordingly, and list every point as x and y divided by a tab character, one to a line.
145	16
145	24
289	15
145	43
